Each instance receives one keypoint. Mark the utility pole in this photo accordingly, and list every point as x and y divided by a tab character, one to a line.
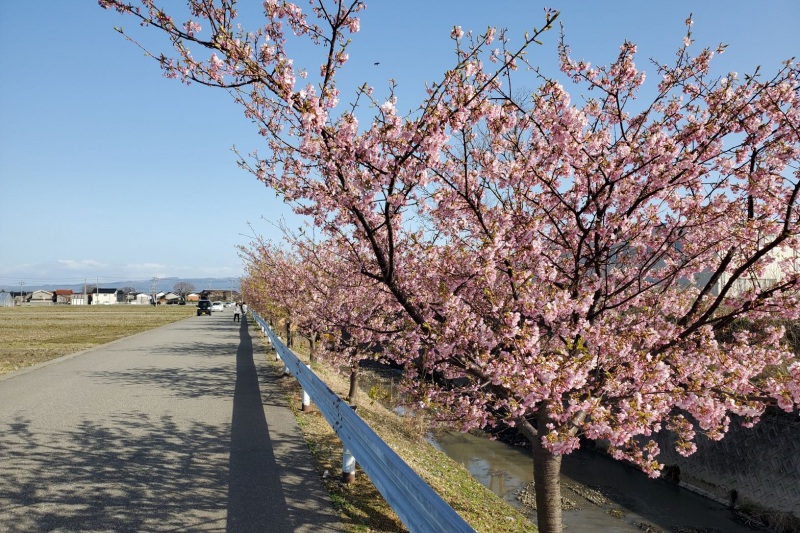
154	288
21	293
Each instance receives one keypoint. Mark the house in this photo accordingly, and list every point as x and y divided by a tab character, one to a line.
192	297
78	299
220	294
142	299
20	297
6	299
168	298
41	297
774	264
63	296
106	296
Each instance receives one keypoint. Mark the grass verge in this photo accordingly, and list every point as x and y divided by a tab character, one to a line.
33	335
360	505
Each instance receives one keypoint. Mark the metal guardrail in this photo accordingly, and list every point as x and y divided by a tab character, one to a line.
417	505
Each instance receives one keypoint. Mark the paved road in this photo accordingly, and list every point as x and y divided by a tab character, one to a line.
175	429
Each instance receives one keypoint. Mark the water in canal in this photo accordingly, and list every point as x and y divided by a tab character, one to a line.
627	500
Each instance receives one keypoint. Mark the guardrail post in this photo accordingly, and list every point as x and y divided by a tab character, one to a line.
348	466
306	398
285	367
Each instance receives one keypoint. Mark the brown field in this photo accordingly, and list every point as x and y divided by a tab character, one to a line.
33	335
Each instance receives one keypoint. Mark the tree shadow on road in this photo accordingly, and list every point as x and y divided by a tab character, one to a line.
211	382
132	472
137	471
200	369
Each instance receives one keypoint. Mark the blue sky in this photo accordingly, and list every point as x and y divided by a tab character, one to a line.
109	171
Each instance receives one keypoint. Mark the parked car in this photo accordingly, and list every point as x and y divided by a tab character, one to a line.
203	307
217	306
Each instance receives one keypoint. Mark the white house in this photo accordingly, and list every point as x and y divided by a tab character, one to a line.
6	299
41	297
107	297
777	263
142	299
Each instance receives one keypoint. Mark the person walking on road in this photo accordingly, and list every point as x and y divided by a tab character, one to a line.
237	312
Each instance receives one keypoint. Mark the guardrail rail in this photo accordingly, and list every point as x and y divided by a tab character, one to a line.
417	505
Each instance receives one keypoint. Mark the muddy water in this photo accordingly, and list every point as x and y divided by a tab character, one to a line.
630	501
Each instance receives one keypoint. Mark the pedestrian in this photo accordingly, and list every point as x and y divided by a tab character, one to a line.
237	311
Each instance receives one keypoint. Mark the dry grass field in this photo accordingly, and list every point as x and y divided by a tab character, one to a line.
33	335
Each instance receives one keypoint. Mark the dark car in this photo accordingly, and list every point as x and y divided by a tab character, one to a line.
204	307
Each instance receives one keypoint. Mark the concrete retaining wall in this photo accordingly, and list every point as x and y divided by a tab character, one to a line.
762	464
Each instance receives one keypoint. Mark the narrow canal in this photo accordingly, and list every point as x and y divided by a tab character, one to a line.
599	494
602	495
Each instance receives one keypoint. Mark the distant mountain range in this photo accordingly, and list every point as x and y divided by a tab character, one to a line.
163	285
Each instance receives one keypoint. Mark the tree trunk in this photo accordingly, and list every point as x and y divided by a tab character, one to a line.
546	475
353	393
546	469
289	342
312	348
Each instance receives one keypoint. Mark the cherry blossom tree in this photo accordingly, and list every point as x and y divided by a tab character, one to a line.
273	286
570	267
311	283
